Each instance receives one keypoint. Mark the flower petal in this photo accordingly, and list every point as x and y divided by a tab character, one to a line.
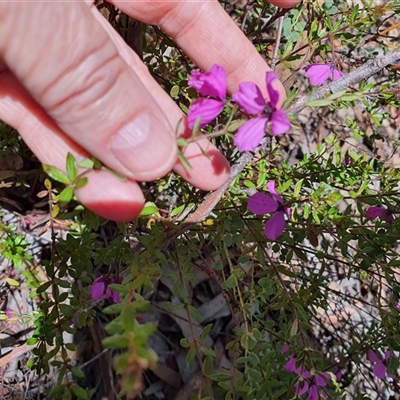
372	356
116	297
211	83
374	212
97	289
387	355
320	380
388	216
291	364
250	98
206	109
280	123
380	370
336	74
275	226
261	204
304	389
250	134
313	394
272	93
318	73
275	195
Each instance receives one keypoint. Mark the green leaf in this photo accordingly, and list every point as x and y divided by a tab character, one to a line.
182	142
79	392
66	195
32	341
42	288
55	392
72	167
77	372
87	163
184	160
174	92
56	174
319	103
149	209
177	210
191	355
12	282
231	282
81	182
298	187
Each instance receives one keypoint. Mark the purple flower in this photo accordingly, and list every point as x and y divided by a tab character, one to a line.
320	73
380	370
212	84
308	383
398	305
261	204
379	212
250	99
100	289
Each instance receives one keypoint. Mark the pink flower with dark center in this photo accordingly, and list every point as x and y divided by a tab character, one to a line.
213	85
252	102
320	73
261	204
379	212
380	369
100	289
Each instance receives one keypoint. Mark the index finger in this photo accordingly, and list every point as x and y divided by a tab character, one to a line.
208	36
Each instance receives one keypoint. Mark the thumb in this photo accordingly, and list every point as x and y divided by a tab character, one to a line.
69	65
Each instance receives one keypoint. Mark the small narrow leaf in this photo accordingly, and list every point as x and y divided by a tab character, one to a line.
56	174
81	182
87	163
66	195
79	392
149	209
12	282
72	167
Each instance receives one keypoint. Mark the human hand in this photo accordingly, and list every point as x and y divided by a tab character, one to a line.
68	83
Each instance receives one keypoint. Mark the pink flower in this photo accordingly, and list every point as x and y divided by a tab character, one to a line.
100	289
308	383
379	212
261	204
212	84
250	99
320	73
380	370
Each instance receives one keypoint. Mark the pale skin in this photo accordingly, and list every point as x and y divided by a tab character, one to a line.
68	83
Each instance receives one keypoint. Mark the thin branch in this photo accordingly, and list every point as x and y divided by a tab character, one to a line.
360	74
211	200
277	42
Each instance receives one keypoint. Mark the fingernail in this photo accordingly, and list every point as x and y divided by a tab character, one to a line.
146	147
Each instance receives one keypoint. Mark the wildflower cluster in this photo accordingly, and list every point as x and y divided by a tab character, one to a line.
380	367
263	114
307	382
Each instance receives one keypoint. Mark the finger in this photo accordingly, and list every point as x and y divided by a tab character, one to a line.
284	3
209	169
92	95
104	194
208	36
